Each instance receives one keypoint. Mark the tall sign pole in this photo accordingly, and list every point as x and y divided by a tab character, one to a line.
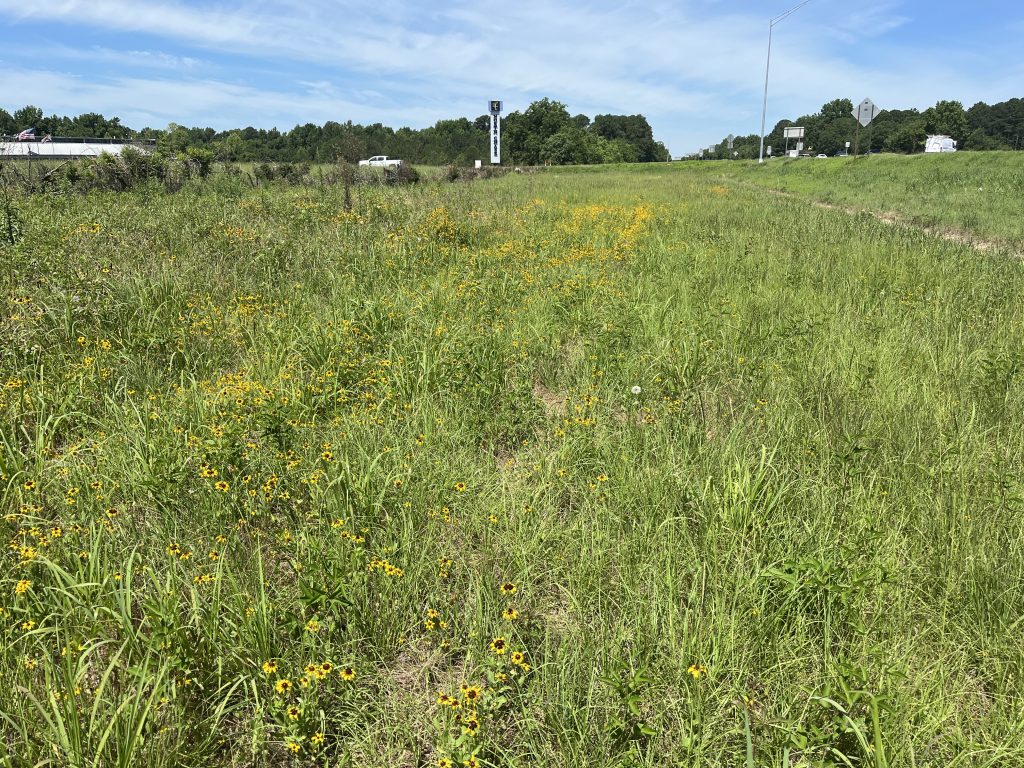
495	132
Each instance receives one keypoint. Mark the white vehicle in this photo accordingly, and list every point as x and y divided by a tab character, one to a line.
381	161
940	144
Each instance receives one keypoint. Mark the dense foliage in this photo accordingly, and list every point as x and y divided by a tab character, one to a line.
542	134
982	127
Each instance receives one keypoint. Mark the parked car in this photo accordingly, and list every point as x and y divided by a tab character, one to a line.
381	161
842	153
822	154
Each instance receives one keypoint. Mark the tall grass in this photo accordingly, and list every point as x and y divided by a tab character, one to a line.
567	469
972	194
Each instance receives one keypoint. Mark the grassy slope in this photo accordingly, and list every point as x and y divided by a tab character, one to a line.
975	192
816	492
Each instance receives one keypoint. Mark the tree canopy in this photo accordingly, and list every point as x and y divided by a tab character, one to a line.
542	133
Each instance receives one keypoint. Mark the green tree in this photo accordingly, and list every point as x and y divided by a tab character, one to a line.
570	146
908	137
526	133
948	119
7	123
837	109
27	117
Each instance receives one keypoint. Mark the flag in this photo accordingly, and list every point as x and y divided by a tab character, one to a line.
29	134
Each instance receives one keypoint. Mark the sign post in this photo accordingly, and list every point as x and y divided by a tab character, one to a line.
793	132
864	112
495	109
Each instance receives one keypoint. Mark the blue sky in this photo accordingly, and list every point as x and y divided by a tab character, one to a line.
694	67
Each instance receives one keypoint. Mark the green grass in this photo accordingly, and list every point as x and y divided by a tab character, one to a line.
740	480
976	193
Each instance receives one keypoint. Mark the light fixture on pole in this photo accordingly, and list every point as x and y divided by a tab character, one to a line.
768	62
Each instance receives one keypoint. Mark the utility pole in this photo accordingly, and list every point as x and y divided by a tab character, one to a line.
764	105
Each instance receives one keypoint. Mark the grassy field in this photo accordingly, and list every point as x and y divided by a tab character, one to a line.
570	469
976	194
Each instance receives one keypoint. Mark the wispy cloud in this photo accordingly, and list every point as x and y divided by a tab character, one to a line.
96	55
157	102
694	67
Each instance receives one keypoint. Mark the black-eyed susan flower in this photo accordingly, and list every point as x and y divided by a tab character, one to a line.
222	485
696	670
269	667
294	713
472	693
22	586
348	674
283	685
445	762
460	486
518	658
510	613
508	589
499	646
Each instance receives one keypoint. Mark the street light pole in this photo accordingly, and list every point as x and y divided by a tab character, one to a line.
767	64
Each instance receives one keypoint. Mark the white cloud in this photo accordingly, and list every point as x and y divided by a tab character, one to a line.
696	69
157	102
125	59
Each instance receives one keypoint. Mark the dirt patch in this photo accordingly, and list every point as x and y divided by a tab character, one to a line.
552	402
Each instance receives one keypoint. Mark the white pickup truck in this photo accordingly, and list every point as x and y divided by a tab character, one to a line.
382	161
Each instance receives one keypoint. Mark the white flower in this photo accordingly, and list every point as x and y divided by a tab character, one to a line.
636	389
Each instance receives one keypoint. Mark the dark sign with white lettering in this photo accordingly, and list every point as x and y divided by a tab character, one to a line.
495	139
495	132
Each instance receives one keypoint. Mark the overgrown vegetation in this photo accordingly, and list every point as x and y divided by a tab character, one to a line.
607	468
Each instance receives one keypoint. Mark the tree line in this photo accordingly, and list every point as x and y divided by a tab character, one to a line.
982	127
543	133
